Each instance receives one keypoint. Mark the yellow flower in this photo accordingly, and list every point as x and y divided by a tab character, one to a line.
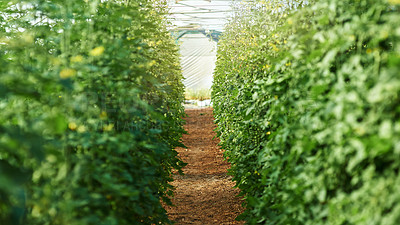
274	47
269	132
97	51
290	21
266	66
67	73
77	59
103	115
72	126
152	63
288	64
108	127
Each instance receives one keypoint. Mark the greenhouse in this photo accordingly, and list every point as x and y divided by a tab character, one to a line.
208	112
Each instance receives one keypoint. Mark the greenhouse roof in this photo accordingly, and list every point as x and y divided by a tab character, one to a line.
200	14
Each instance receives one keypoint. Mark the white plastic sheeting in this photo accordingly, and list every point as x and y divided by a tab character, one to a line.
198	56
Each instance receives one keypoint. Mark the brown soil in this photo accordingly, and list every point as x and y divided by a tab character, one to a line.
205	194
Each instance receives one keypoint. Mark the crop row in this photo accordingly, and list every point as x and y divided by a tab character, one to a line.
91	112
306	97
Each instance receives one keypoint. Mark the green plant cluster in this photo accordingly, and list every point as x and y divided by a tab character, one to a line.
306	97
197	94
91	111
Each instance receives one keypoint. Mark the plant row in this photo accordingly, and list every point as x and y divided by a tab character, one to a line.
91	107
306	97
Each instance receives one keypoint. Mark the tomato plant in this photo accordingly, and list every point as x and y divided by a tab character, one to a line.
306	101
91	107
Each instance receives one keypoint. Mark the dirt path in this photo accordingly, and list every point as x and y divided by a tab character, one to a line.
205	194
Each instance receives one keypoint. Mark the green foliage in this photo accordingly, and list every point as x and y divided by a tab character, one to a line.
91	102
309	111
200	94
